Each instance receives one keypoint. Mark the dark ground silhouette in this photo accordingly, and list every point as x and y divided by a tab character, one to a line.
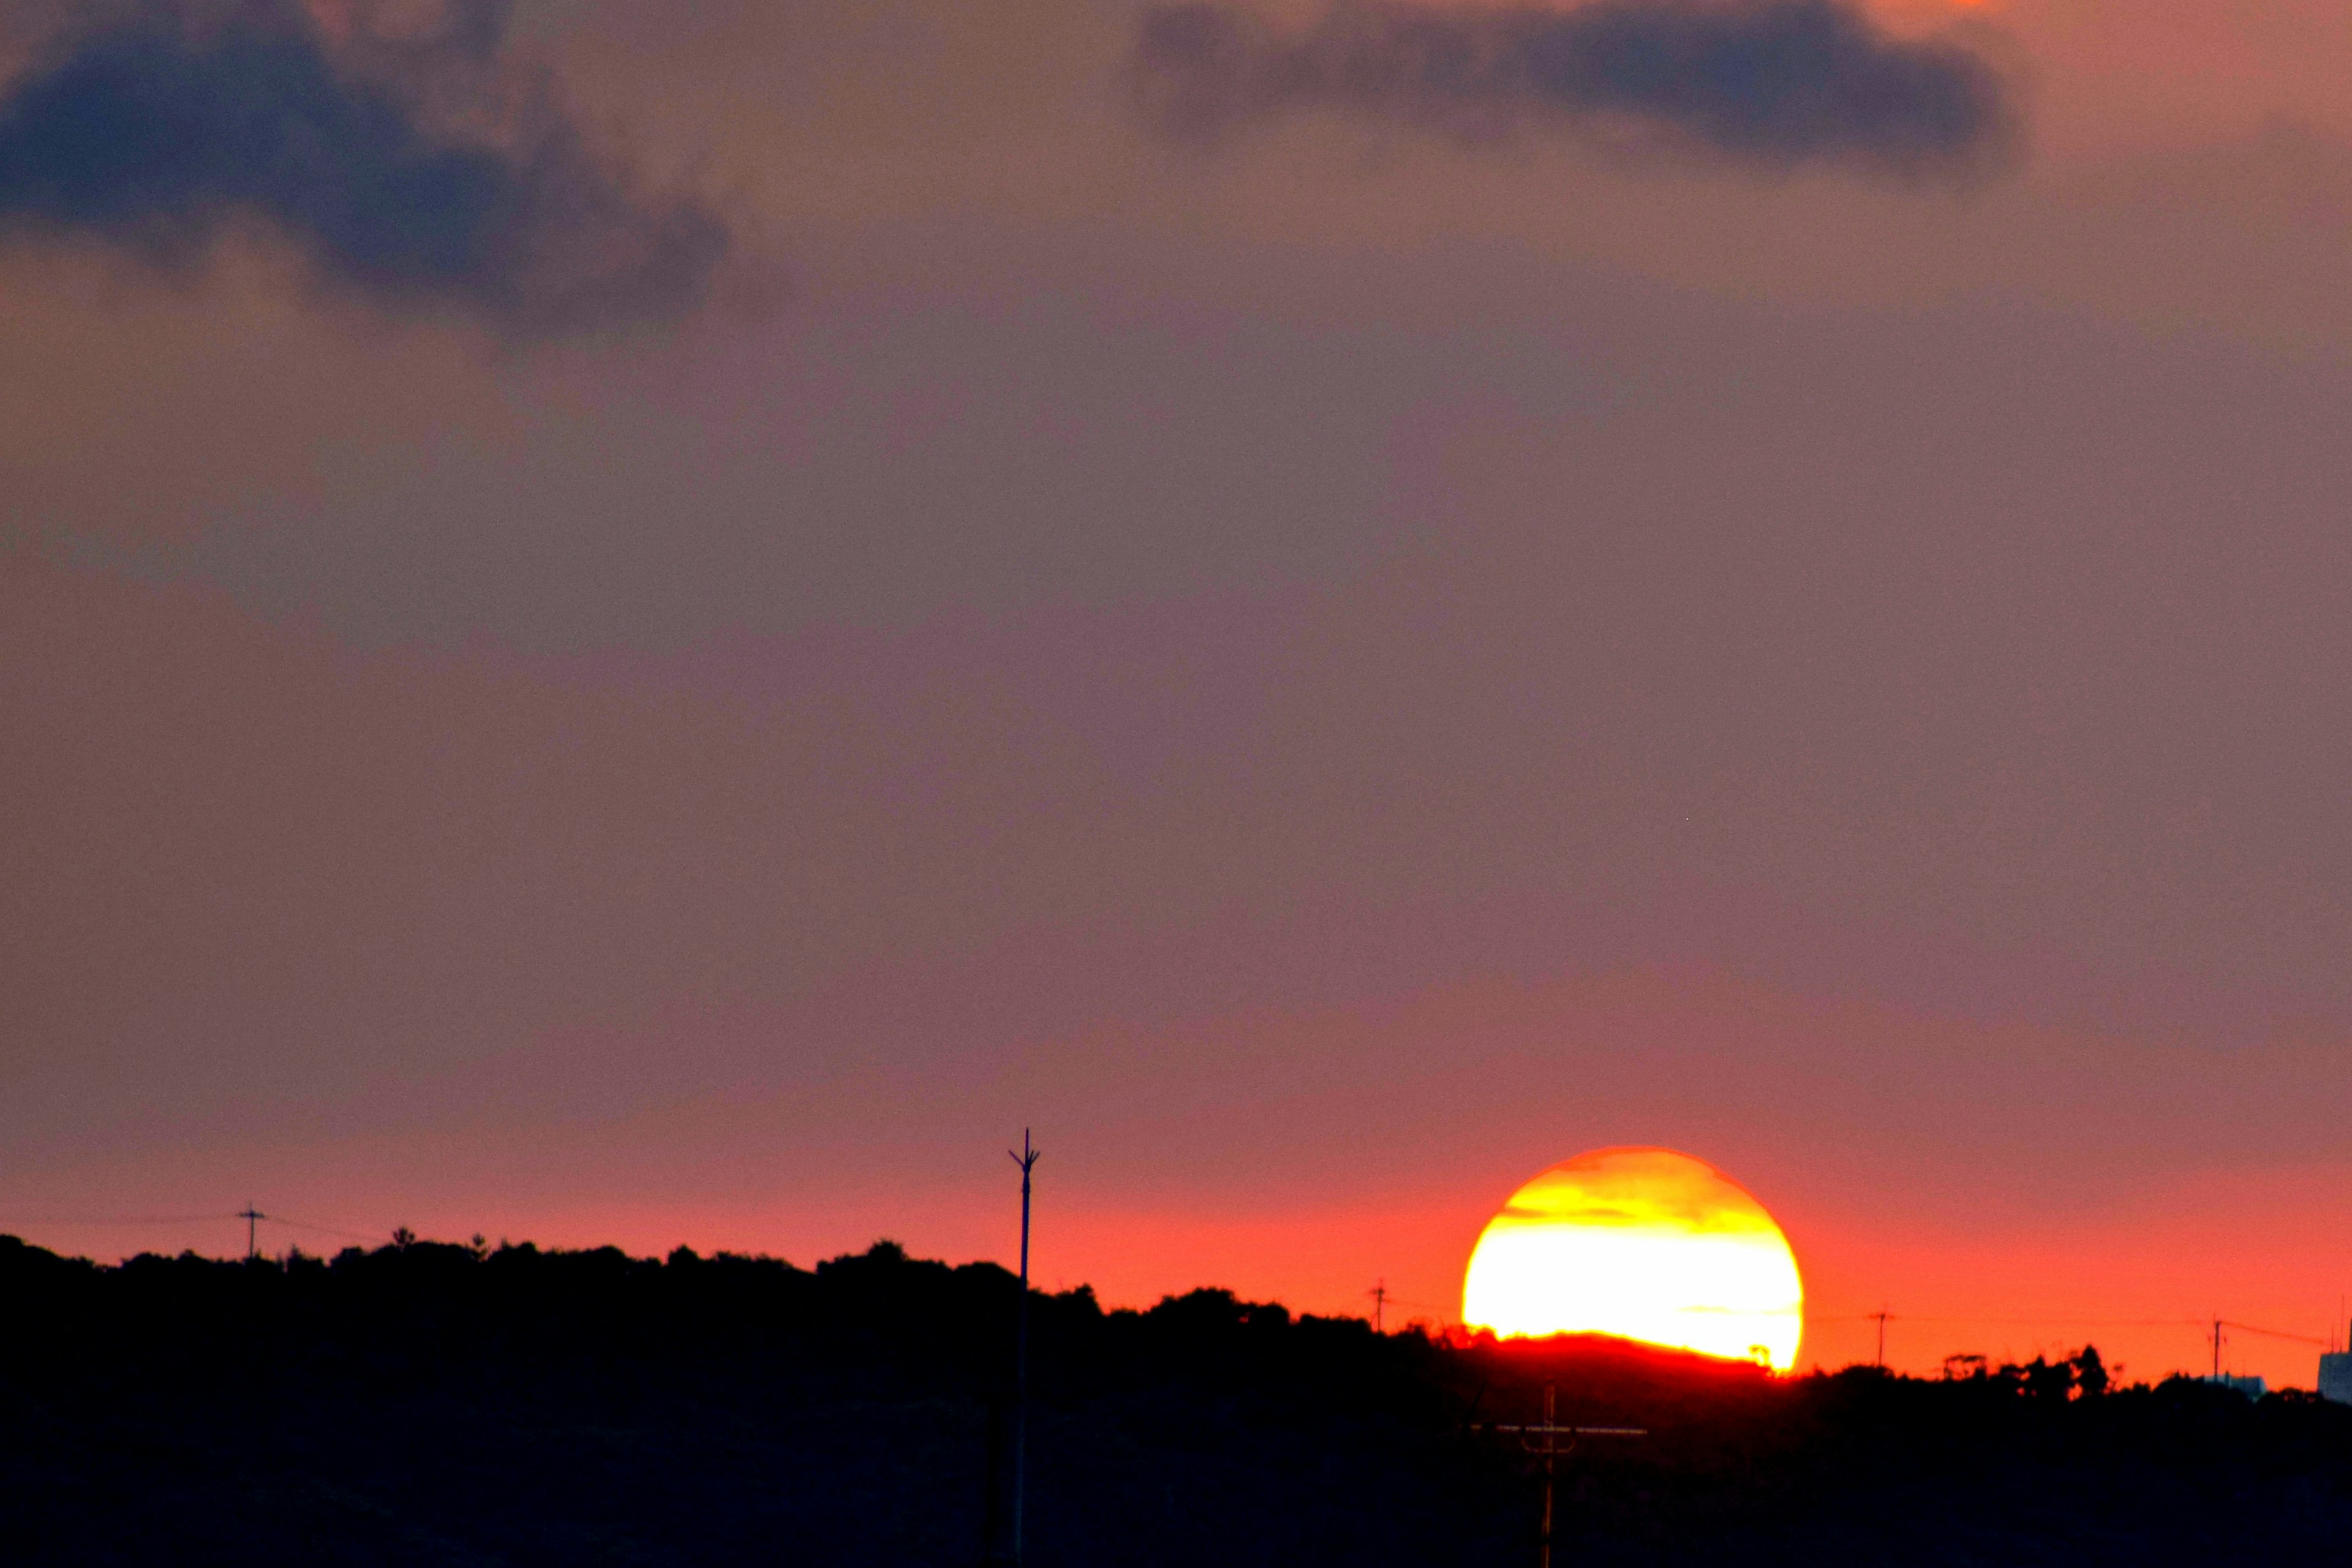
433	1403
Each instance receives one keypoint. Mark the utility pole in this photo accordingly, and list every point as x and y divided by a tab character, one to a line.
1881	1315
251	1217
2216	1337
1379	1295
1027	1160
1546	1443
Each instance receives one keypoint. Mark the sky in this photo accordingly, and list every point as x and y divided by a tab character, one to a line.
630	623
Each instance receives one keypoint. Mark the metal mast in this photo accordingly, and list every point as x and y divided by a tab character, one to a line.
1027	1160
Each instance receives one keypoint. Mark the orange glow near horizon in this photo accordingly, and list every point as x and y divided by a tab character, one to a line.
1643	1244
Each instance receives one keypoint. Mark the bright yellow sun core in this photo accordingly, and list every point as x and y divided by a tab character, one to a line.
1644	1243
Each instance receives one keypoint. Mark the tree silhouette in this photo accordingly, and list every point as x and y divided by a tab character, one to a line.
428	1401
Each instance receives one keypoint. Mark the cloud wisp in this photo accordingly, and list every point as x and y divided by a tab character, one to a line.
1778	83
415	166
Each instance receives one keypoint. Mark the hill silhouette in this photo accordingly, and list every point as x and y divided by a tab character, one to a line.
431	1403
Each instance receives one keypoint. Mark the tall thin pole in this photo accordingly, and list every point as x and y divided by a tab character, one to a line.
251	1217
1546	1442
1379	1295
1551	1446
2217	1349
1881	1315
1027	1161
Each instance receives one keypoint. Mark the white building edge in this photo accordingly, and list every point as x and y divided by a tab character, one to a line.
2336	1376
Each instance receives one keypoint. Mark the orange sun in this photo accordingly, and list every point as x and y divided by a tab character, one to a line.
1644	1243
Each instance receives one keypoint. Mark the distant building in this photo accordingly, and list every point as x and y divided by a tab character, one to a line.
2252	1387
2336	1376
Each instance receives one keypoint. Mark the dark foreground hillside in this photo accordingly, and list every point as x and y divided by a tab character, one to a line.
431	1403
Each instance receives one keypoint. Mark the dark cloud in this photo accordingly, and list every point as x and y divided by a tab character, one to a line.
412	163
1773	81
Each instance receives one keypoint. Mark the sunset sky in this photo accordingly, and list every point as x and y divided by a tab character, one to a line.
677	619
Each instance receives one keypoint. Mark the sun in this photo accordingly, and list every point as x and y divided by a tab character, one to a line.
1644	1243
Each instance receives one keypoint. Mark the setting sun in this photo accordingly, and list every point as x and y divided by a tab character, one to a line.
1644	1243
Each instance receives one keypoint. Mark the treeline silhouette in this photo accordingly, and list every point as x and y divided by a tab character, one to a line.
432	1403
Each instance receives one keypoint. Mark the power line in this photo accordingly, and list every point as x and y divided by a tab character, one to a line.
2062	1322
2273	1334
322	1230
118	1219
2214	1327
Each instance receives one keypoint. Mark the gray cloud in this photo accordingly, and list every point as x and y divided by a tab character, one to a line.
1779	82
415	165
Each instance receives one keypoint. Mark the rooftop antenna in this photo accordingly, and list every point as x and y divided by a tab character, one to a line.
251	1217
1027	1160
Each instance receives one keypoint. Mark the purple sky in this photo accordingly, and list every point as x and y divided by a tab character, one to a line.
1325	668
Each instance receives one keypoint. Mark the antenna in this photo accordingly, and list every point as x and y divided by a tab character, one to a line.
251	1217
1027	1160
